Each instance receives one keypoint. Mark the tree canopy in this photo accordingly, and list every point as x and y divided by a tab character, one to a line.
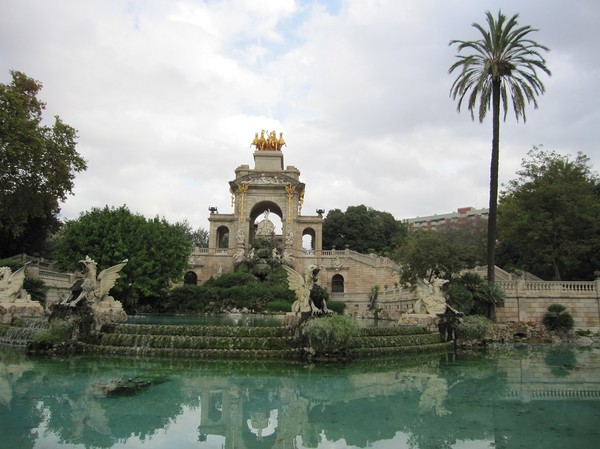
549	217
362	229
157	251
500	67
38	164
427	254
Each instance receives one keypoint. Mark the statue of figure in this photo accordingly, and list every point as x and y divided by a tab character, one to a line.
272	142
240	256
256	141
275	255
302	287
265	227
262	142
431	300
288	259
280	142
11	285
289	238
95	290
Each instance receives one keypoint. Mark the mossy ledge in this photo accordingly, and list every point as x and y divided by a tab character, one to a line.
225	342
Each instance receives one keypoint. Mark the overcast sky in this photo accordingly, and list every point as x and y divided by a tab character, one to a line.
167	95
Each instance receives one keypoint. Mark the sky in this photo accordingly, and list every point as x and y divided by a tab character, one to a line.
167	95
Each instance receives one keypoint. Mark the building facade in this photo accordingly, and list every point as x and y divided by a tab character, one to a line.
463	217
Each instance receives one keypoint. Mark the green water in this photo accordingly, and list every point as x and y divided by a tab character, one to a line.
532	397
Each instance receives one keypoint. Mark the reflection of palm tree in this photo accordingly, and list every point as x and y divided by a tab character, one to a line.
503	64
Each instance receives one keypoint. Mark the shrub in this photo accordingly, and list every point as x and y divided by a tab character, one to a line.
330	334
472	295
58	331
279	306
233	279
336	306
37	289
558	319
473	327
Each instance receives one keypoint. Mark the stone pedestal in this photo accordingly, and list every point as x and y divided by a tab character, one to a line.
106	312
20	308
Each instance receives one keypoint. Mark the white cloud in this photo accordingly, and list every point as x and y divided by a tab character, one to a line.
167	96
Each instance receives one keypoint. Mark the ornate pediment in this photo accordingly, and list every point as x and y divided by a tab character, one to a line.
255	179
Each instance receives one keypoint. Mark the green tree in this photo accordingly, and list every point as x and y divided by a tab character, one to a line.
549	217
500	66
157	251
470	294
363	229
38	164
426	254
468	240
198	237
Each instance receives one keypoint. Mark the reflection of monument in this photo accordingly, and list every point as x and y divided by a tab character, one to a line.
435	402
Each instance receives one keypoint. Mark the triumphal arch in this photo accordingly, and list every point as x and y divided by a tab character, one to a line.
267	201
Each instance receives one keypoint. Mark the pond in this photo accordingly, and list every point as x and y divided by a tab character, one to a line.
505	397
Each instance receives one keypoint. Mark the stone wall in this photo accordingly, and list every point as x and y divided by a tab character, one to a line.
59	284
527	301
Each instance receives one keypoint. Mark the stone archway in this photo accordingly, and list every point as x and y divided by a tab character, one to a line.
190	278
222	237
308	240
265	211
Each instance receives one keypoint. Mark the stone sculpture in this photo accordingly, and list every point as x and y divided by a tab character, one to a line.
93	290
265	227
11	285
302	286
14	299
431	300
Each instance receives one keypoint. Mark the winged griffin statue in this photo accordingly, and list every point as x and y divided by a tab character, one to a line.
302	285
11	285
95	288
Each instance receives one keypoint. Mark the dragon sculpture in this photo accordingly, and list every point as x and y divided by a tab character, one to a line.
94	289
302	286
11	285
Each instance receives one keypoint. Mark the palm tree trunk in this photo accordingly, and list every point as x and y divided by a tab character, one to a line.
494	168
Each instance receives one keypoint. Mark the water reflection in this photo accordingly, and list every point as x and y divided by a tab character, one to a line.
504	399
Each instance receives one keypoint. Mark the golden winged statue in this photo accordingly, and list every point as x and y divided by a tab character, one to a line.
302	285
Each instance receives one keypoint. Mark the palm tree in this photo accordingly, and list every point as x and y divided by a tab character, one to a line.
501	66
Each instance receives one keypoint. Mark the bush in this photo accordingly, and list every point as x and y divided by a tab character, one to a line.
558	319
473	327
472	295
58	331
279	306
330	334
336	306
